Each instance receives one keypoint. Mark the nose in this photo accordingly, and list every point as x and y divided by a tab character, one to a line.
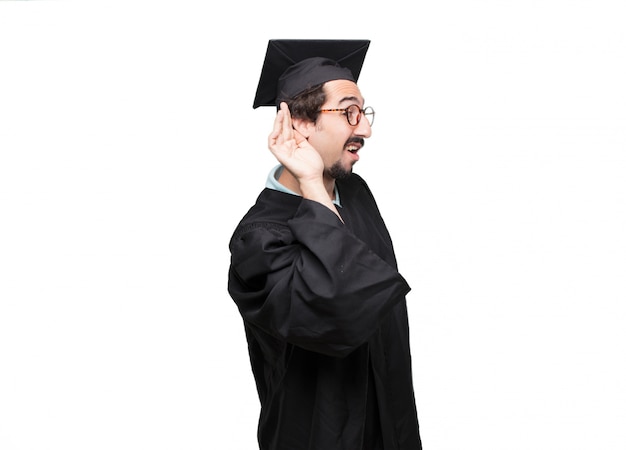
363	128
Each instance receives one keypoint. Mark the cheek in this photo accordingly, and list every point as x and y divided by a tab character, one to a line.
329	141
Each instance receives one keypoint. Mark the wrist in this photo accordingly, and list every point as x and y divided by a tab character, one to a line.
313	189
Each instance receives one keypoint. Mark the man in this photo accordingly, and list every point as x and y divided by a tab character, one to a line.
313	271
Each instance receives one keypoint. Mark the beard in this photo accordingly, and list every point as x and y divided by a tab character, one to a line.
338	172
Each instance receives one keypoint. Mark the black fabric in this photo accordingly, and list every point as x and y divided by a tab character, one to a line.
307	74
325	316
292	66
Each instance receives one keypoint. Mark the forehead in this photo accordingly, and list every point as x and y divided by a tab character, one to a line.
342	93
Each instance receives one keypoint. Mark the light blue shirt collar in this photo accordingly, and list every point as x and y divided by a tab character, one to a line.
272	183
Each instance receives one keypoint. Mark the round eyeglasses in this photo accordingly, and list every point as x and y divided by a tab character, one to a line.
353	114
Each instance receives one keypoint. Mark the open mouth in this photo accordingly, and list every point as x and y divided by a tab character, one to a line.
354	145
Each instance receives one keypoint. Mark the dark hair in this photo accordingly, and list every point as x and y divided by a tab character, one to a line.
307	104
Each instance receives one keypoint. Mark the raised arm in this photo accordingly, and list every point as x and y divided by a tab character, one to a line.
299	157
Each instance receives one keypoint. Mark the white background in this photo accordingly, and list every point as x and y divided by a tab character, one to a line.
129	150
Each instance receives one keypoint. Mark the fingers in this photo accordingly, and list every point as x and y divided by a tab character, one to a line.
287	129
278	123
283	128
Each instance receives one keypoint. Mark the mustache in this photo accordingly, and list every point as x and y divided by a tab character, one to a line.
356	140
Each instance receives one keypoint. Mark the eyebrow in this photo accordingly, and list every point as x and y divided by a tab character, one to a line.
350	99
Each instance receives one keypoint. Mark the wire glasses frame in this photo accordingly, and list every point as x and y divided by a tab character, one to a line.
353	114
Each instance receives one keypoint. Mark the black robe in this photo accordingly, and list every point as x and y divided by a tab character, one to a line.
325	317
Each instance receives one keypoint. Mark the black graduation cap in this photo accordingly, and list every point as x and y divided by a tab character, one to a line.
294	65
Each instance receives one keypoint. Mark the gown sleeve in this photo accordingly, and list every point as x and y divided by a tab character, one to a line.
311	282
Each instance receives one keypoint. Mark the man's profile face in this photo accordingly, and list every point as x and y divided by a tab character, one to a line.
332	136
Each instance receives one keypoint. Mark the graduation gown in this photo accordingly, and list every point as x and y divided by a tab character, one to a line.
325	317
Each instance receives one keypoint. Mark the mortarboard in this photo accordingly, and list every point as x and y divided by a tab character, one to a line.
292	66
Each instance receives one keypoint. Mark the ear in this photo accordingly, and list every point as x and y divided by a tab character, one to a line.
303	126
